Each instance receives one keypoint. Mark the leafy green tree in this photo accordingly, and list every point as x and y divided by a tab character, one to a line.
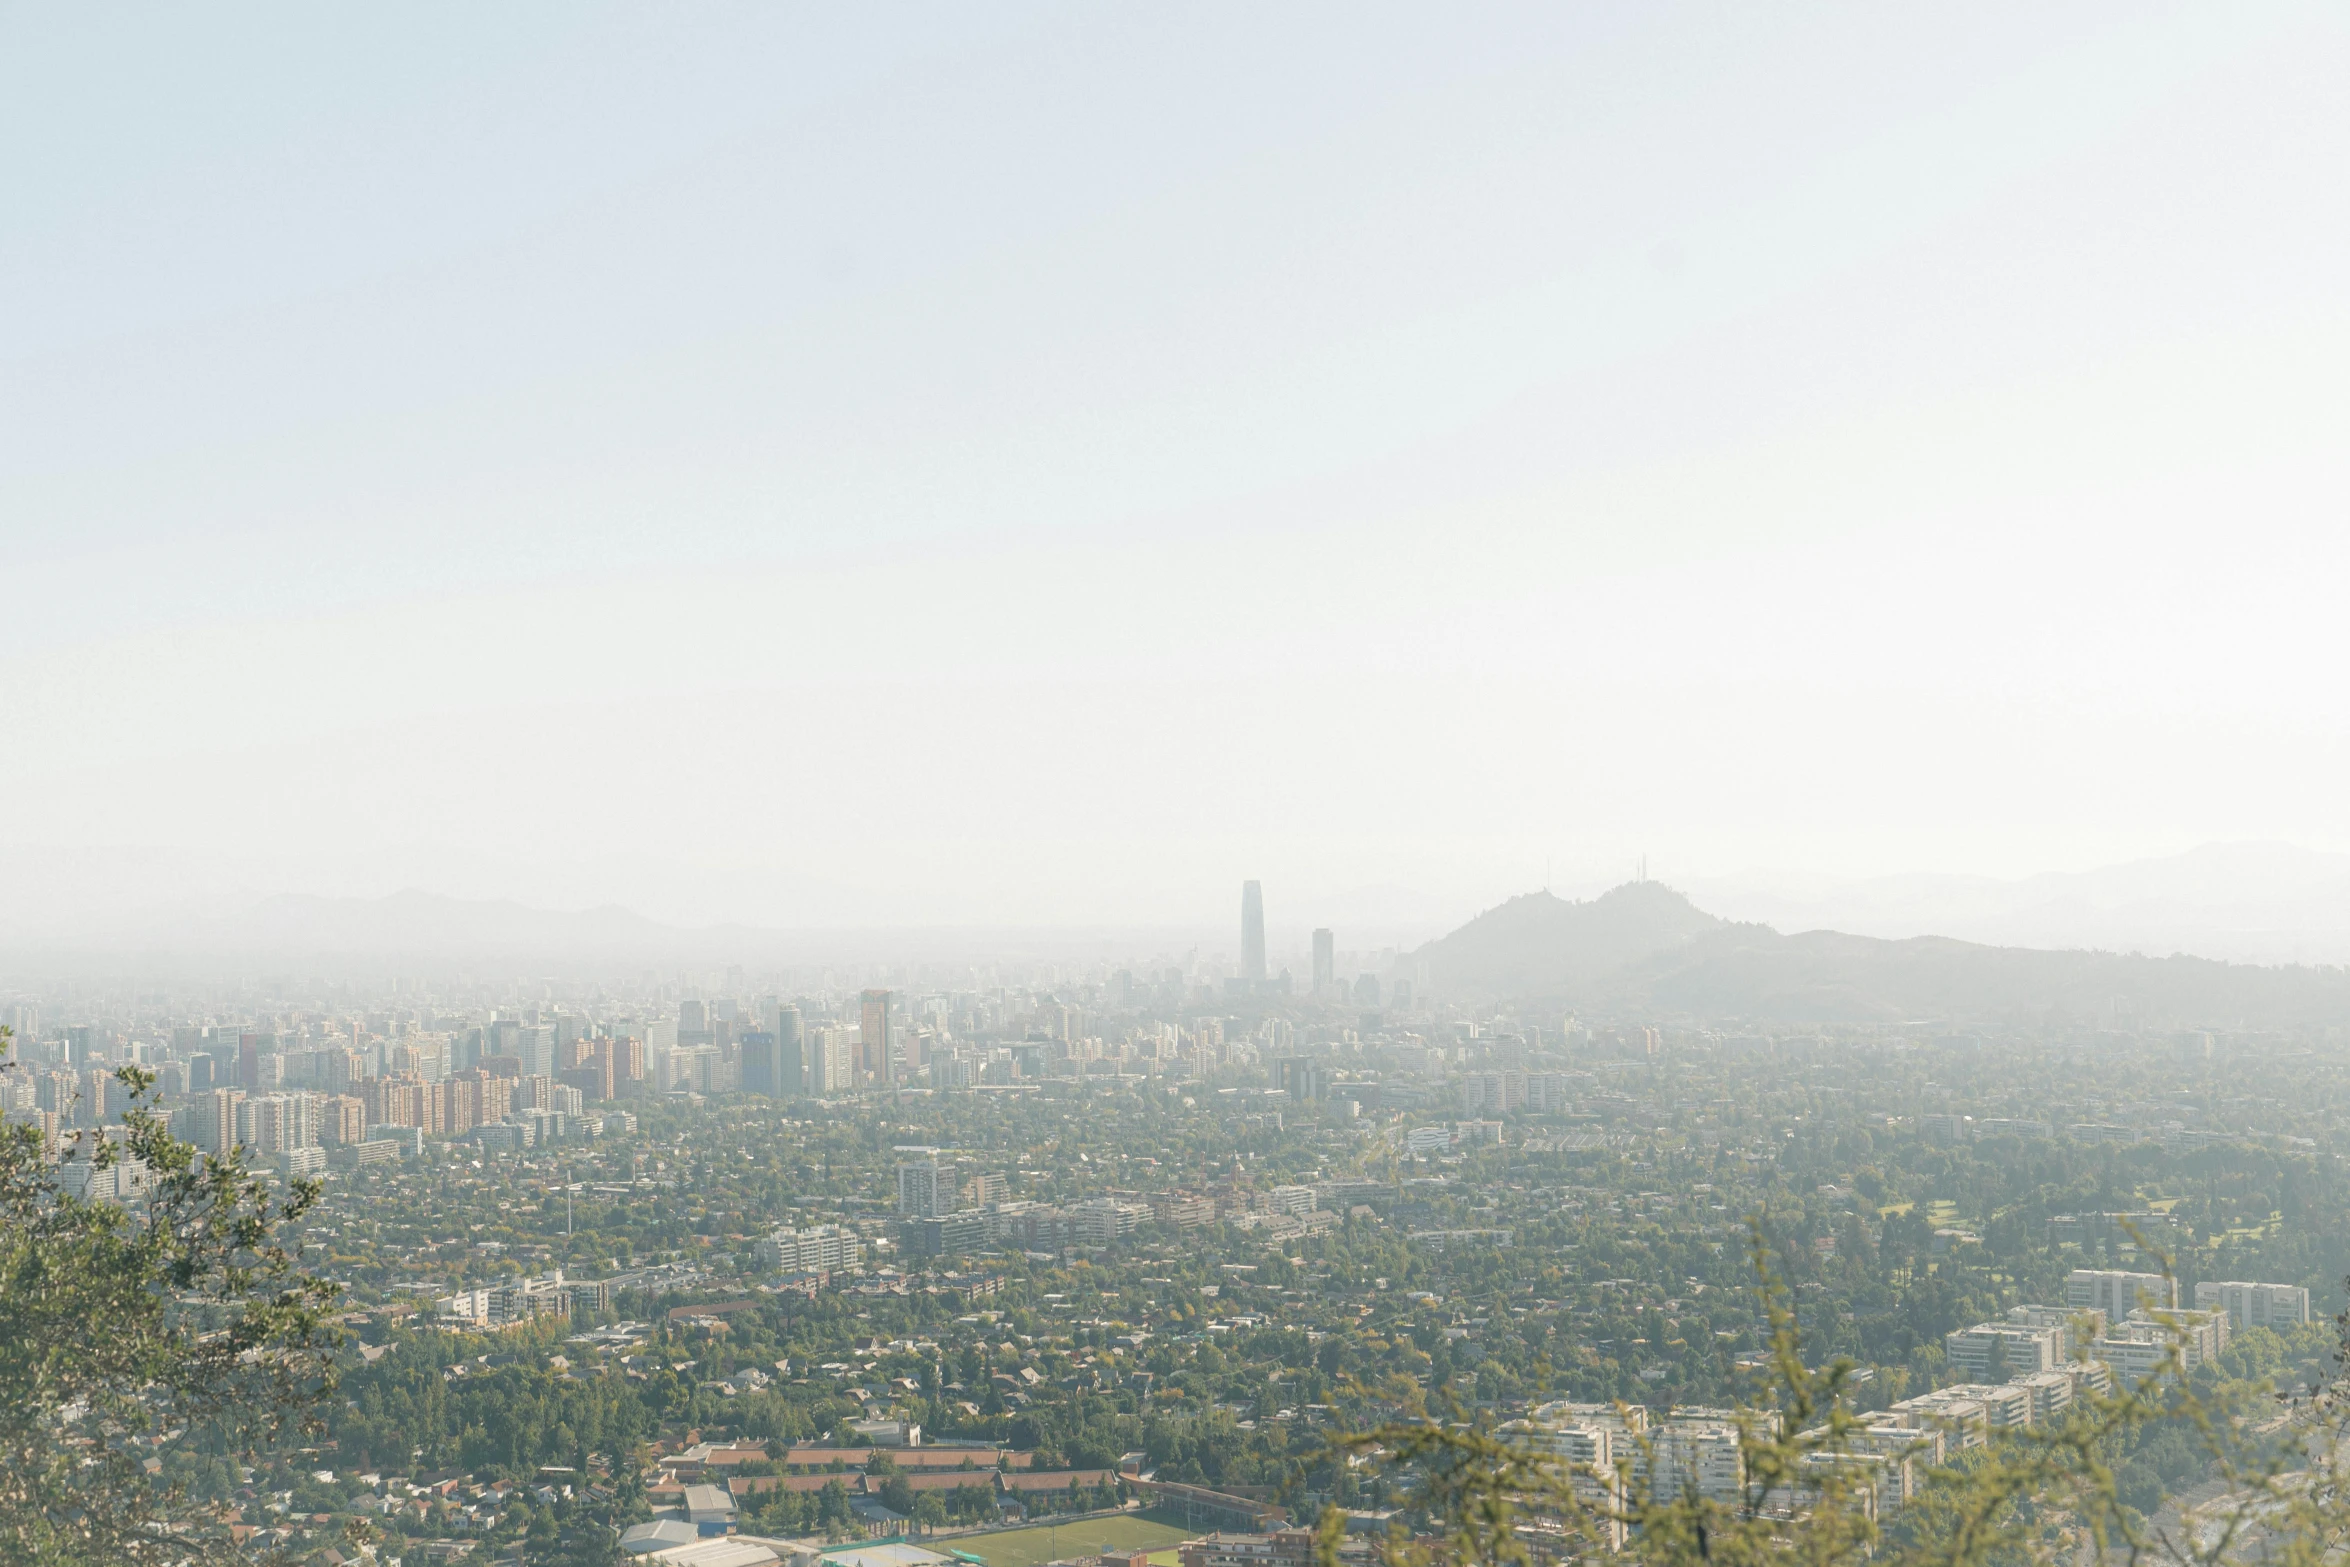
185	1311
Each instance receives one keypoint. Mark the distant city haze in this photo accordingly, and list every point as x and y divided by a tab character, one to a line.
1034	469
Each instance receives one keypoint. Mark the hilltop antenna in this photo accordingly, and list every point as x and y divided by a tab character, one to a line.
1643	868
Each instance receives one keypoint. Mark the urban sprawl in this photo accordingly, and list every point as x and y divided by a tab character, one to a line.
1008	1266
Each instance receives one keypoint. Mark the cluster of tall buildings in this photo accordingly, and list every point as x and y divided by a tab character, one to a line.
2126	1325
2023	1370
296	1100
1510	1090
1615	1448
789	1056
941	1215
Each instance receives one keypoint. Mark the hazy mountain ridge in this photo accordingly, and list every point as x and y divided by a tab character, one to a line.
2255	902
1547	945
1646	949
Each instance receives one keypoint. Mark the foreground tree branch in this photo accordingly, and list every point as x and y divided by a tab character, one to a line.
125	1326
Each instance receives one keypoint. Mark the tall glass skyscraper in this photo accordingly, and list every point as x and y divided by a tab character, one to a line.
1252	932
873	1039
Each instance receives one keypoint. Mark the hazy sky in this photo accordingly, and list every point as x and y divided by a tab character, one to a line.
867	464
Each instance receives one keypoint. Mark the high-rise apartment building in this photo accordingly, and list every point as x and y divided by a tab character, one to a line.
1252	932
2118	1294
594	1075
2003	1351
2251	1305
1494	1093
213	1120
823	1246
1325	962
1599	1445
342	1120
339	1069
925	1189
832	1061
278	1123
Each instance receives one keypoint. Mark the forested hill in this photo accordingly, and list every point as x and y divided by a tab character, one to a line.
1539	945
1645	949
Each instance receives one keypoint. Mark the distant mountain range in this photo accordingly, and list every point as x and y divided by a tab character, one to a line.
1904	948
1644	949
2245	902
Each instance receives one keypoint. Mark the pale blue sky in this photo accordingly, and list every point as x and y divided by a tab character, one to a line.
823	465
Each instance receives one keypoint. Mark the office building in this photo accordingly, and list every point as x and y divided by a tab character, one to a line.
758	1064
944	1234
698	1069
1325	962
791	1053
873	1042
534	1046
1252	933
1301	1077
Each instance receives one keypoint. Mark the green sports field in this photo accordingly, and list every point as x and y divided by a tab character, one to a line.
1084	1537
